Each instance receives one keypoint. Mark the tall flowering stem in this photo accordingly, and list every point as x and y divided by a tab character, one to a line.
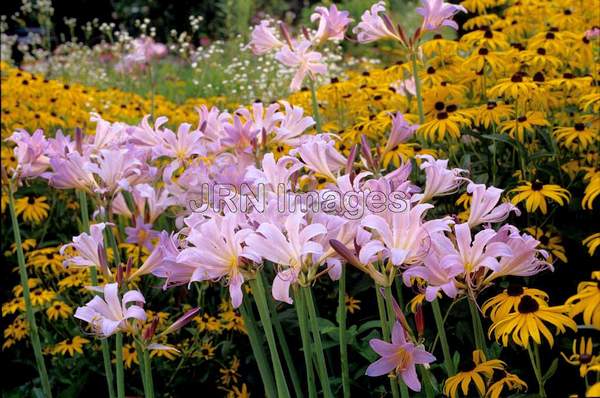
342	333
257	349
391	320
139	351
534	357
258	289
320	355
33	330
415	70
287	355
439	323
315	104
306	344
85	226
147	374
385	329
477	326
119	365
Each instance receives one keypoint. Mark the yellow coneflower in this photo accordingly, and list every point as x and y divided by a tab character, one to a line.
528	323
550	242
476	370
592	242
586	302
42	296
237	392
58	309
506	302
492	113
445	122
516	128
129	355
34	210
503	381
464	200
70	346
206	351
352	304
518	87
577	137
230	374
535	193
582	355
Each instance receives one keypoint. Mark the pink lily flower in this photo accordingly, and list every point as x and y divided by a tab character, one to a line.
87	247
263	40
30	153
275	176
218	253
372	27
181	146
332	23
436	14
141	233
401	131
117	169
239	135
110	315
318	154
293	125
440	180
483	205
262	119
69	172
399	356
289	251
306	62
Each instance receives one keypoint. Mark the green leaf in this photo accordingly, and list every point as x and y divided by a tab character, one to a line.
551	370
368	326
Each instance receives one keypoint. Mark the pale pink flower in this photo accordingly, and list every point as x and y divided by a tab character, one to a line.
275	176
293	125
263	40
403	238
262	119
181	146
218	251
108	135
399	356
87	246
401	131
440	180
304	60
141	233
111	314
318	153
116	169
289	251
406	87
69	172
436	14
483	205
30	153
372	27
239	135
332	23
592	33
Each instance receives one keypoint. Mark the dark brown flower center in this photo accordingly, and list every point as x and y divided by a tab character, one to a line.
451	108
585	358
483	51
568	75
439	106
537	186
442	115
541	51
514	290
522	119
550	36
516	78
488	34
491	105
31	200
544	240
430	70
567	12
527	305
539	77
579	126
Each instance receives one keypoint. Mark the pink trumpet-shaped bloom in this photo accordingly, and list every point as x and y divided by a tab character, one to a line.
318	154
239	135
30	153
372	26
399	356
440	180
436	14
332	23
263	40
117	169
276	176
293	125
306	62
87	246
109	315
69	172
289	251
218	253
483	205
401	131
403	238
181	146
142	233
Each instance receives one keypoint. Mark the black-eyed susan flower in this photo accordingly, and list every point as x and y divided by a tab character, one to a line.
352	304
444	122
549	241
535	194
492	113
70	346
231	373
582	355
592	242
586	302
506	302
129	355
42	296
516	128
206	350
33	210
517	87
529	322
502	382
475	370
58	309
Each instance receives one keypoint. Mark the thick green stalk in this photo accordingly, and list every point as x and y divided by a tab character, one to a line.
119	366
535	363
264	368
342	333
148	375
415	70
315	105
477	327
439	323
385	329
33	330
140	355
263	310
320	355
85	225
306	344
287	355
391	321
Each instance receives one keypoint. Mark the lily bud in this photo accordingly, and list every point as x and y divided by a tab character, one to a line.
420	320
181	322
103	261
128	267
149	332
119	277
79	140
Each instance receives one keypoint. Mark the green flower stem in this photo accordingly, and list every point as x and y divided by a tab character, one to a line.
287	355
391	321
535	363
385	329
263	310
148	375
315	105
33	330
119	365
342	333
257	348
306	344
415	70
320	356
439	323
140	355
426	378
85	225
477	327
